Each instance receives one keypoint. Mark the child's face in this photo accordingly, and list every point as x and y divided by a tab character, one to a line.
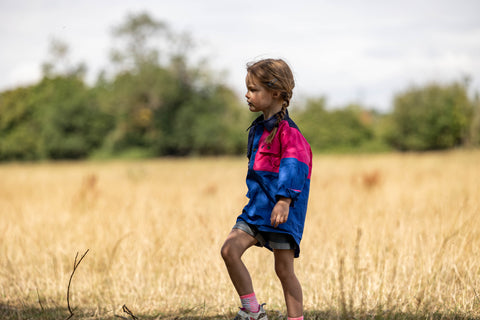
260	98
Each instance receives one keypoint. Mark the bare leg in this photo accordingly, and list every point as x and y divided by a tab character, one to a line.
235	245
292	290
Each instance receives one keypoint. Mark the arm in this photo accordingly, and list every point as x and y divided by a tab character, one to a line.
295	165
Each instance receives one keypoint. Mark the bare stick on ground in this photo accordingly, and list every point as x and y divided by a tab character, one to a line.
75	266
130	313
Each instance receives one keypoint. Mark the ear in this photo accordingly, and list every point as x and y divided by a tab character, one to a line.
276	94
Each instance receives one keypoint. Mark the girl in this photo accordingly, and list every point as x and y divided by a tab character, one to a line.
278	181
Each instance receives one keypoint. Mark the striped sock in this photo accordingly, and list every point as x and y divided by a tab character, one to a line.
250	303
299	318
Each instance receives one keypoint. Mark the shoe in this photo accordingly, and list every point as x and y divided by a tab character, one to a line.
243	314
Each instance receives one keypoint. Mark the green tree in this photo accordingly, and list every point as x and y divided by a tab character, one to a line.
58	61
134	100
474	139
72	125
138	34
431	118
57	118
162	104
209	124
347	128
18	125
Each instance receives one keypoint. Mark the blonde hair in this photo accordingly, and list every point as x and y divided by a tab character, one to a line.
274	75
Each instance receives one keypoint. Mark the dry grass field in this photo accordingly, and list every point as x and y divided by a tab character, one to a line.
387	236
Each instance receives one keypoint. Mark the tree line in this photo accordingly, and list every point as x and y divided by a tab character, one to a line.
157	102
429	117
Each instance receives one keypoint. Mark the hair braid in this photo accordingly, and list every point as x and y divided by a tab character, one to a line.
280	117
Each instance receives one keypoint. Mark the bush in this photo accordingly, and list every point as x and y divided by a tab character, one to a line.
57	119
430	118
348	128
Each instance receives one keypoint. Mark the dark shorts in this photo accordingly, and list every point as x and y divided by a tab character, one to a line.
270	240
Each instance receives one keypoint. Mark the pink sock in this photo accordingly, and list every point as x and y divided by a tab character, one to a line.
250	303
299	318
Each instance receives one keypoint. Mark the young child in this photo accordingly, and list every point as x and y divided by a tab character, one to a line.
278	180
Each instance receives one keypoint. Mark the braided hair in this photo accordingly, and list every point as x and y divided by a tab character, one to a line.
274	75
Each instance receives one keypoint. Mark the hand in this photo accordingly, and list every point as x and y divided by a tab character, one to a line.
280	211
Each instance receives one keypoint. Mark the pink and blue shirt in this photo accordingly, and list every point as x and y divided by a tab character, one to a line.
281	168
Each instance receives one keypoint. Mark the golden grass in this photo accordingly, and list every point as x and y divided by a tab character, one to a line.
393	234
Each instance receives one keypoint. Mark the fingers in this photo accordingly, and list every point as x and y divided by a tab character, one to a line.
273	221
279	213
277	219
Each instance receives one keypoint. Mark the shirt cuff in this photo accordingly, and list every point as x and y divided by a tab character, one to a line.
288	193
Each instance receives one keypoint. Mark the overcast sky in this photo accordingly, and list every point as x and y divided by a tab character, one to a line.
347	50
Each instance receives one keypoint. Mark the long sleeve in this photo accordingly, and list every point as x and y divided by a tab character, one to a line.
295	163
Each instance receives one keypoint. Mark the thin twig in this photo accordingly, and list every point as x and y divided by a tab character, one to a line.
127	311
75	266
39	301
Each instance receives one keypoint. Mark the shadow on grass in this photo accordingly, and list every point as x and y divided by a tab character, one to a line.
10	312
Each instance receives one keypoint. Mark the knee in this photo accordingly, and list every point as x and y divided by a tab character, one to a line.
284	272
227	252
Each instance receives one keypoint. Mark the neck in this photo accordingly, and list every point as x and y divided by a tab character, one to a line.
267	114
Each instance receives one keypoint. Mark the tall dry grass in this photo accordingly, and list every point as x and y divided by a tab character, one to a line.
386	235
